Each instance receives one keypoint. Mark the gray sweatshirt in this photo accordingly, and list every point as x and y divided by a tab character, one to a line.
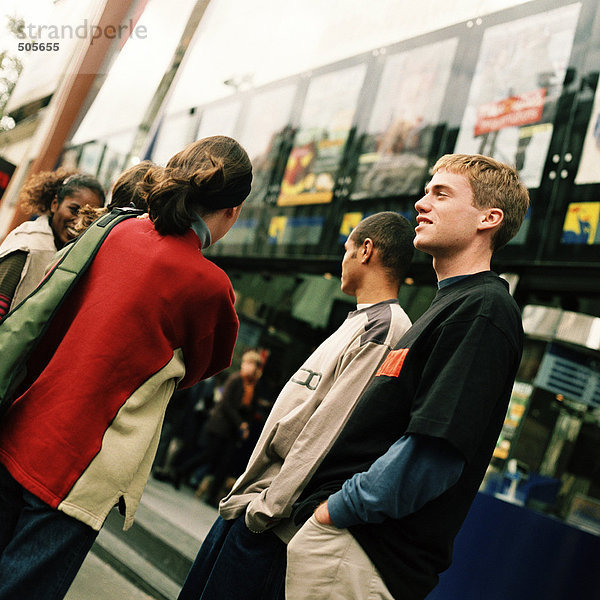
308	415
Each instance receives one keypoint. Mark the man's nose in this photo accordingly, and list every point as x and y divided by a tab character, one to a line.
421	204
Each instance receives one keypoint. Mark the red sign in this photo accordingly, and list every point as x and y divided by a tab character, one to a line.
511	112
6	171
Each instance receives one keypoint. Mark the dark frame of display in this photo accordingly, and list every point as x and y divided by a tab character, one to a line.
565	156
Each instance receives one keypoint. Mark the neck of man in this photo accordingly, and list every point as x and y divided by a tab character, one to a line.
474	257
453	266
376	291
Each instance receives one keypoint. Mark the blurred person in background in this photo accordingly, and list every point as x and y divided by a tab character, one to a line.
184	421
227	426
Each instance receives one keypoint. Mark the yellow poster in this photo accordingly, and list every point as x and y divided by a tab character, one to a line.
277	229
581	223
320	141
349	222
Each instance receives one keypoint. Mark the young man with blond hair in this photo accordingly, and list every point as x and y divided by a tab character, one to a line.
395	488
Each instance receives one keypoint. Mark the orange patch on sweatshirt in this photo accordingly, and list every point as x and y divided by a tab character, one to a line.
392	365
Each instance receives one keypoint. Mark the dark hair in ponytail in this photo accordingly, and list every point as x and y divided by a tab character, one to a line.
207	176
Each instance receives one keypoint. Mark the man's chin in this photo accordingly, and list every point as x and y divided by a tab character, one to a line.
418	243
346	291
421	245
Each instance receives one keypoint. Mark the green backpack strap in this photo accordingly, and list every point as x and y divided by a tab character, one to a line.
23	326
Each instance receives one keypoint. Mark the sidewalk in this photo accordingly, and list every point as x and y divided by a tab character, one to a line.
98	581
175	517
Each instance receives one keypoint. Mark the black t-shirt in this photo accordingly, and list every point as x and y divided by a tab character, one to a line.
449	377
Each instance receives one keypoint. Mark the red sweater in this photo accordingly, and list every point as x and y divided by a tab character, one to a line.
149	312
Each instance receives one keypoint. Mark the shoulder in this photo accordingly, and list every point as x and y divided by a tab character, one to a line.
171	266
400	320
179	253
482	292
29	236
39	225
488	301
385	323
481	297
496	299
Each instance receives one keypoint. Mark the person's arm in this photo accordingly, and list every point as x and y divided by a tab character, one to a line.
415	470
11	268
429	458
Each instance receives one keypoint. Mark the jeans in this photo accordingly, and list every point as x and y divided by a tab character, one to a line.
236	564
41	549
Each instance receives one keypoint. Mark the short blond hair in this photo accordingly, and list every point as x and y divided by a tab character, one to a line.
495	185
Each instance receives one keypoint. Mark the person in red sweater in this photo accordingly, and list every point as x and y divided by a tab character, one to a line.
150	314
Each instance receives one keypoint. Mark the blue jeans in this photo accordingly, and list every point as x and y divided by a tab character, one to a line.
41	549
236	564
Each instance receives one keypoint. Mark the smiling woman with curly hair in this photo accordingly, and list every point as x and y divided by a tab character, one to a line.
56	197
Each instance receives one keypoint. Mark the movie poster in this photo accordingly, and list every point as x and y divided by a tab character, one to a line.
581	223
6	172
265	124
517	409
349	221
69	158
319	144
398	138
589	171
514	92
113	163
243	232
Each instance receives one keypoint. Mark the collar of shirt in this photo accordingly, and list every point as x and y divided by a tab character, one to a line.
450	280
202	231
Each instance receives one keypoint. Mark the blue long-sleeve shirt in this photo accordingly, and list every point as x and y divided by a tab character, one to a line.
415	470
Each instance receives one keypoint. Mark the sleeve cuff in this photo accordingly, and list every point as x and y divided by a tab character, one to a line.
339	512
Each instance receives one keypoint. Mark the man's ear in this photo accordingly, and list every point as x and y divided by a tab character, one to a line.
232	211
366	251
491	218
